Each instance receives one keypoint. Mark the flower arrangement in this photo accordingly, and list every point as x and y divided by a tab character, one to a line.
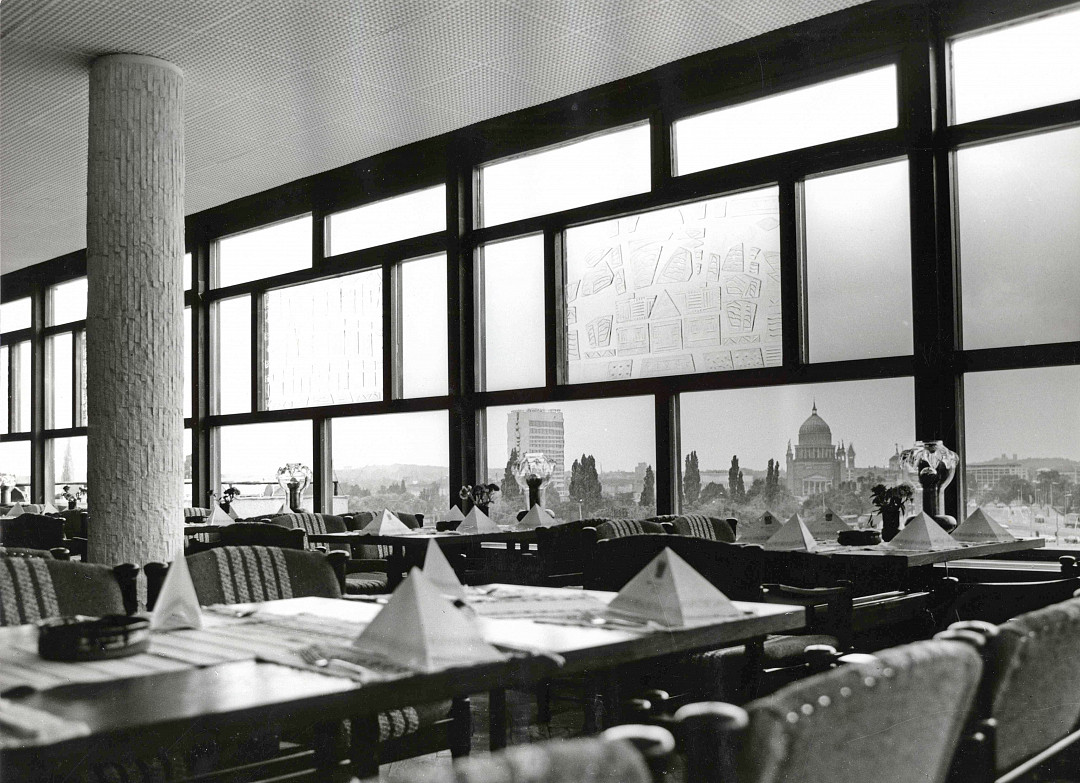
230	494
480	495
73	497
7	480
896	497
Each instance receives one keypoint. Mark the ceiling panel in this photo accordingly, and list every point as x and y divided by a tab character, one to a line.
281	89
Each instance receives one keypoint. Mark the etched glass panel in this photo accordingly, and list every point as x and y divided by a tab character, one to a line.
1019	230
603	451
264	252
66	302
829	111
1021	66
399	461
512	326
858	263
233	357
687	289
829	444
571	175
411	215
423	327
250	457
1022	460
15	315
324	342
59	359
68	469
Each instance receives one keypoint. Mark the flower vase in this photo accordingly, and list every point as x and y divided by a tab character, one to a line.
890	523
71	505
934	465
5	495
294	495
534	485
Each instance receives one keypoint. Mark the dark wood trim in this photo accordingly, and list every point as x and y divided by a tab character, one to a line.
40	464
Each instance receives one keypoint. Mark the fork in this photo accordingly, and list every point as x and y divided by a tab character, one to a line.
313	655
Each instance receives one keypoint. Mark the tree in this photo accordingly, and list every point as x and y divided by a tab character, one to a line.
711	492
66	471
734	480
772	480
585	485
511	492
691	483
648	489
740	487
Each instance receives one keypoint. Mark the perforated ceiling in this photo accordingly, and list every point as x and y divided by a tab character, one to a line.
281	89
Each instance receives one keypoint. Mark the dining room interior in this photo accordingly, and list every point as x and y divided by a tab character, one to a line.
489	391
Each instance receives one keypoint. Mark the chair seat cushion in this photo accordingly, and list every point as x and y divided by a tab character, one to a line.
365	583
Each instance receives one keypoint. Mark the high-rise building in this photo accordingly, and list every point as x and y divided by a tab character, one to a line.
539	430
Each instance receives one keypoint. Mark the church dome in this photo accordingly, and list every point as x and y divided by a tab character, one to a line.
814	431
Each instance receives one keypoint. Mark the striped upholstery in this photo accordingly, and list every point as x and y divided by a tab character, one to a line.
27	593
191	512
311	523
701	526
365	583
619	528
252	573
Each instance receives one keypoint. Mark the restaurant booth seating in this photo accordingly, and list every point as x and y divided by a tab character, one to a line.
36	588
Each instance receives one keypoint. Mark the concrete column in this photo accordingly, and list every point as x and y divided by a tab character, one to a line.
134	331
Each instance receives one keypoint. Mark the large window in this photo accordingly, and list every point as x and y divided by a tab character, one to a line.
423	327
263	252
1022	434
398	461
1019	230
411	215
233	367
250	456
60	356
689	289
15	314
836	109
798	448
15	461
582	172
68	468
66	302
603	452
324	342
858	263
17	385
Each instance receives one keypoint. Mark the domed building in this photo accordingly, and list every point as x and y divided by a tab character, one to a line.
817	464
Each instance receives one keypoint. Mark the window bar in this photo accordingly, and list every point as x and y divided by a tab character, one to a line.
37	396
258	350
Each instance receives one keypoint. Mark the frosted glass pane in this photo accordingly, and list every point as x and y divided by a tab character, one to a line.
18	356
423	327
15	459
401	217
234	355
69	469
688	289
615	437
831	442
1022	429
66	302
324	342
1020	240
513	322
15	315
187	362
832	110
264	252
572	175
373	455
1018	67
858	263
58	356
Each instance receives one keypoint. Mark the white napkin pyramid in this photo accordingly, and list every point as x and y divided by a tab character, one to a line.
219	517
537	517
177	605
49	508
440	573
670	592
386	525
453	515
476	521
15	511
981	528
922	533
792	536
421	629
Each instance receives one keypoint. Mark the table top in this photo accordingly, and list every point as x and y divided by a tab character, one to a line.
420	537
134	708
913	558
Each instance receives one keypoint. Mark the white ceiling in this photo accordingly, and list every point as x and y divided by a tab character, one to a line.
277	90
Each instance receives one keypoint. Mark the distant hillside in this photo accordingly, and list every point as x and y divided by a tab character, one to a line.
374	476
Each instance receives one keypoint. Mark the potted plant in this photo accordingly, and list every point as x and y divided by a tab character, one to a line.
891	502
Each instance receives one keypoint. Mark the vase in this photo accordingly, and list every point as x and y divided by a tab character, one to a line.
5	495
534	491
890	523
71	505
294	495
934	466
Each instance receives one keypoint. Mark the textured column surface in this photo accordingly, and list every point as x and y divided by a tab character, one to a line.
134	331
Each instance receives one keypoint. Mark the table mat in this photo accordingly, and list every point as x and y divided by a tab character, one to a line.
521	603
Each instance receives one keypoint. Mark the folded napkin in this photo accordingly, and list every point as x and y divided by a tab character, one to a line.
22	726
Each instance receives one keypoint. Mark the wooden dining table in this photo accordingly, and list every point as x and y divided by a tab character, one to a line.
128	714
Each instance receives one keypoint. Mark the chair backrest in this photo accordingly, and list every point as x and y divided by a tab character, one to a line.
239	574
76	523
18	551
1036	681
32	531
562	550
998	602
359	520
617	528
311	523
192	512
701	526
898	719
737	571
411	521
35	588
261	534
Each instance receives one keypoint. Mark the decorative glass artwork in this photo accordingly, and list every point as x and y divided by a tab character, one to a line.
324	342
687	289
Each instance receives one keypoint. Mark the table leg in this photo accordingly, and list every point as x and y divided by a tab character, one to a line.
497	723
323	742
364	746
752	669
395	567
461	726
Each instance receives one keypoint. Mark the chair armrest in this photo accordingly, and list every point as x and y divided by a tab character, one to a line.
709	732
155	578
77	545
126	576
655	744
669	528
337	561
60	553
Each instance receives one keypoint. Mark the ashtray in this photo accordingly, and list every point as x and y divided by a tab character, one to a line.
79	638
858	537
